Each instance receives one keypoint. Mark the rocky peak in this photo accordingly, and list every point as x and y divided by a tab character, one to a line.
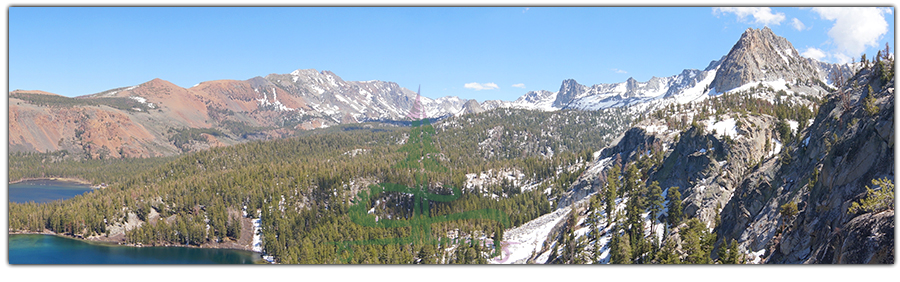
158	82
331	75
569	90
472	107
535	96
631	85
760	55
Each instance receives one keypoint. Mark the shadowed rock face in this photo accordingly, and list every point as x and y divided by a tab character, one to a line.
869	238
760	55
829	171
567	92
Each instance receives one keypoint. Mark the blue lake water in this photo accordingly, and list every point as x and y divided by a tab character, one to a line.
42	191
49	249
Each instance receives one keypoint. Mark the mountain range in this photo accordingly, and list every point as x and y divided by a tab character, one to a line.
160	118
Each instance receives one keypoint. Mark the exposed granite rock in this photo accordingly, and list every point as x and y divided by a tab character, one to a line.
844	150
869	238
760	55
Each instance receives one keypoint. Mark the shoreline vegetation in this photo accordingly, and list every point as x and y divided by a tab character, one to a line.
119	239
61	179
114	241
257	259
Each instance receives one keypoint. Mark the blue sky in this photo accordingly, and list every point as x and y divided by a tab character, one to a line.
478	53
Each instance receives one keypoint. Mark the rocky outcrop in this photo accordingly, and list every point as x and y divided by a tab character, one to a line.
832	162
626	148
708	169
705	166
868	238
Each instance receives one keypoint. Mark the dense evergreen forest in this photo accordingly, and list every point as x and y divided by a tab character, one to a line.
61	164
303	187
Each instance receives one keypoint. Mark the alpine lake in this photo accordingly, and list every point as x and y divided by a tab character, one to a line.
52	249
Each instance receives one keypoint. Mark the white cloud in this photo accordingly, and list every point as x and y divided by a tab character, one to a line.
841	58
854	29
479	86
797	24
526	10
761	15
814	53
619	71
519	85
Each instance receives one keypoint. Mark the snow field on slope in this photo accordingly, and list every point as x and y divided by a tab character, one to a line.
523	241
696	93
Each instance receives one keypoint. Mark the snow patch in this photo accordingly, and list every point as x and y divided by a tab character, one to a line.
776	85
256	245
776	148
654	129
794	125
727	127
756	256
141	100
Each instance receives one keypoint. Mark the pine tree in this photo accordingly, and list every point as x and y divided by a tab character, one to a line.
667	255
694	242
612	184
875	200
675	210
620	250
634	227
655	201
723	254
736	256
869	102
498	239
632	178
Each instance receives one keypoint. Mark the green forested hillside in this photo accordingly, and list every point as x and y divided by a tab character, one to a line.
303	187
60	165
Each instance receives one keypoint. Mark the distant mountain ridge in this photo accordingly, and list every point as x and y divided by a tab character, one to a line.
278	105
759	56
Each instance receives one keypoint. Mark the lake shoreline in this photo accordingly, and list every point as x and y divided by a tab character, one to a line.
108	241
116	236
119	240
127	254
62	179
